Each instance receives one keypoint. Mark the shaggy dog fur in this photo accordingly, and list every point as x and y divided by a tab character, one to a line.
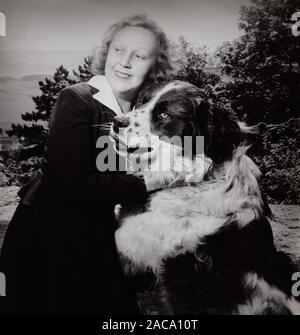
207	239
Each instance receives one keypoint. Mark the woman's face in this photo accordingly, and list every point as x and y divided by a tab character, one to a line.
130	57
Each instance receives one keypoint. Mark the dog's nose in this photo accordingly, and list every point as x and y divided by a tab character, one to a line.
120	121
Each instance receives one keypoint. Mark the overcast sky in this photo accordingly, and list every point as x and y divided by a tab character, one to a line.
40	26
80	24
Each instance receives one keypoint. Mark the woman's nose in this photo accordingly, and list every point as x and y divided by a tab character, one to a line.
126	60
120	121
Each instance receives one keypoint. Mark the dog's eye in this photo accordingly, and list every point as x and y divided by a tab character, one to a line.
163	116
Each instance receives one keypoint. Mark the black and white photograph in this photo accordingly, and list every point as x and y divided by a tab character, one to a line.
150	159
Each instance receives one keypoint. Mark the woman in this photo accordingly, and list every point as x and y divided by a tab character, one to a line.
59	254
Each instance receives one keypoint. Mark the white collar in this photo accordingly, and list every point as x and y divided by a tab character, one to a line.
105	95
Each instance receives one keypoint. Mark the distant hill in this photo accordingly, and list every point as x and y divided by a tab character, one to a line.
33	77
20	63
36	77
5	125
5	79
20	72
16	99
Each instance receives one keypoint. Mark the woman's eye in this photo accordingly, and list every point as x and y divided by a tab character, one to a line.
140	56
163	116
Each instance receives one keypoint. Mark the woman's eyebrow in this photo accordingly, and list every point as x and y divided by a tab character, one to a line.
138	48
143	50
148	52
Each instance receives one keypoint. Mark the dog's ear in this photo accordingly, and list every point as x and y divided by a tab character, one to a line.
220	129
202	114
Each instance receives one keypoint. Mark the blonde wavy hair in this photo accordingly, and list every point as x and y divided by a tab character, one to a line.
163	64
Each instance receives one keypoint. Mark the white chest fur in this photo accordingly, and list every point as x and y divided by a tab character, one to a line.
177	218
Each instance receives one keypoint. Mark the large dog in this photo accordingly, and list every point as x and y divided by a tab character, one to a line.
207	238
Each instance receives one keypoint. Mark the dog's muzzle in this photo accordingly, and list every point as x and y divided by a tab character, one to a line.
139	147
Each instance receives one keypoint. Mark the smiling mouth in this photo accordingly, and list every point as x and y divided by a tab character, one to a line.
122	74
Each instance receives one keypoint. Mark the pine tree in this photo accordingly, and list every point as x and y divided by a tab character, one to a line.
264	63
32	135
84	72
36	130
195	65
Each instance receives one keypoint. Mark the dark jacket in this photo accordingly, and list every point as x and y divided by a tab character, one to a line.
59	254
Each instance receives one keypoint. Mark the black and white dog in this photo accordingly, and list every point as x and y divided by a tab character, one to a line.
207	239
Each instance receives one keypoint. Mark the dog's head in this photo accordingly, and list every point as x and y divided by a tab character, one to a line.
171	128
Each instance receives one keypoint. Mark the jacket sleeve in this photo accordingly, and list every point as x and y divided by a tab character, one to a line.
71	158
